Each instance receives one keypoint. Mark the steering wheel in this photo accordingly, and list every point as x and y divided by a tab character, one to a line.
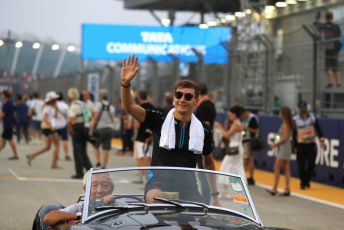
130	197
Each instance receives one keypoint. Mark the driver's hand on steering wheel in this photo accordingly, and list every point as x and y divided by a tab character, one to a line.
215	201
108	199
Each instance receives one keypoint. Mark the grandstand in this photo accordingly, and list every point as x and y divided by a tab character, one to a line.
24	60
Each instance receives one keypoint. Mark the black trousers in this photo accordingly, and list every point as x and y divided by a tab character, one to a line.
79	140
22	125
306	156
127	136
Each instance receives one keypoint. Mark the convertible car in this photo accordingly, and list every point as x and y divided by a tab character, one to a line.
167	198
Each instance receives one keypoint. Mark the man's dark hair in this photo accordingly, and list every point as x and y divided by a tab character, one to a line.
329	15
188	84
143	95
35	95
203	90
6	93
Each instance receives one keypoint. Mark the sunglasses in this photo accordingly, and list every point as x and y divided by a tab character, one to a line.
187	96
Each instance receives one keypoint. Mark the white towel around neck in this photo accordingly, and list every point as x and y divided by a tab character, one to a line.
168	134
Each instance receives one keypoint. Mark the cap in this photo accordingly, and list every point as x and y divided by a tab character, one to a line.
302	104
51	96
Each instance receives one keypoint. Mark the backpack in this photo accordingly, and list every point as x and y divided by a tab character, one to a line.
105	108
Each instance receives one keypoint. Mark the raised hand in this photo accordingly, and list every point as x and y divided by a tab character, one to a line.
129	70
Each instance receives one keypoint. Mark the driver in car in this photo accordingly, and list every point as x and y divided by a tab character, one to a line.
101	194
179	138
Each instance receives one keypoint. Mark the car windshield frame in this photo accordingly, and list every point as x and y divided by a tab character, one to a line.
92	171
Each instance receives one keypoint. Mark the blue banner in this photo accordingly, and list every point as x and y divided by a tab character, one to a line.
117	42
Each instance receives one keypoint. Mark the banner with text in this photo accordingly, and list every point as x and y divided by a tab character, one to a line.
188	43
93	85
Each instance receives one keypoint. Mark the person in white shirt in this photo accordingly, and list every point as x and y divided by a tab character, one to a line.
86	98
50	124
102	125
63	116
233	161
36	108
76	128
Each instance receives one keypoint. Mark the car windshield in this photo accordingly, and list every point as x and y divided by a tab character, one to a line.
147	186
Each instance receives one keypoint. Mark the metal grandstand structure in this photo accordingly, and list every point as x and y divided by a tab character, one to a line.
271	55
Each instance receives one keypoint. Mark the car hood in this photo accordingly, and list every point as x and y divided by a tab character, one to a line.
170	221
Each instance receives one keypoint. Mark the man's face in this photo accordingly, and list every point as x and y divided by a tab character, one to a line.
185	100
303	111
101	186
85	96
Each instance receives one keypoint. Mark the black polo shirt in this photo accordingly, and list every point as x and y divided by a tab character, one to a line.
142	132
180	156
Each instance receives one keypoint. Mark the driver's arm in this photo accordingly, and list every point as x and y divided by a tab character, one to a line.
129	70
130	106
208	162
54	217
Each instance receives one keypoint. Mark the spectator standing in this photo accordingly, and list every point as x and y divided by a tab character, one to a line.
8	120
168	102
36	115
49	130
28	101
102	126
22	118
127	133
332	36
205	112
233	161
143	142
88	114
308	128
284	150
62	107
251	130
76	128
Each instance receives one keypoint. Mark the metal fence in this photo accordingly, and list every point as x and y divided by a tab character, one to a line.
286	67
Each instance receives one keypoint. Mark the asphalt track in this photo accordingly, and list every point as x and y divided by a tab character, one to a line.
24	189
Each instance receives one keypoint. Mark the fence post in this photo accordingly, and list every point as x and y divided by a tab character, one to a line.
314	34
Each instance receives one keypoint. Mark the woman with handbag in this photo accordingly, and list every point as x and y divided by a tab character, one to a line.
283	153
233	160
